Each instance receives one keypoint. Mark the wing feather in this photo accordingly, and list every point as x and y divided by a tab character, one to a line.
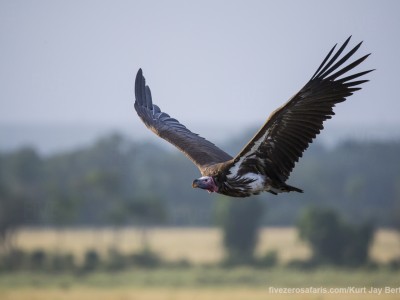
202	152
291	128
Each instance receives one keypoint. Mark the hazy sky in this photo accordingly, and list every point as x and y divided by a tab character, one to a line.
207	62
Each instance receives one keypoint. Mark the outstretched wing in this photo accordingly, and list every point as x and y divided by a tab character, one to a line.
202	152
290	129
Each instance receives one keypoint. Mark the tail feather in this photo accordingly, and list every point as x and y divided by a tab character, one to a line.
284	188
293	189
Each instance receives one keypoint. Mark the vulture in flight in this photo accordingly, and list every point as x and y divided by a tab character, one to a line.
266	162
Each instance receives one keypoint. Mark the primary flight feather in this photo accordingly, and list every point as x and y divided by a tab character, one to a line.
266	162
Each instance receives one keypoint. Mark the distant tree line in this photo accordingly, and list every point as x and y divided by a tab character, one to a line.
119	182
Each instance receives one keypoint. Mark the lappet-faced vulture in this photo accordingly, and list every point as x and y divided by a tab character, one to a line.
266	162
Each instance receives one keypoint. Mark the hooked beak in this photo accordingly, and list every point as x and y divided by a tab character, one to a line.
195	183
199	183
205	183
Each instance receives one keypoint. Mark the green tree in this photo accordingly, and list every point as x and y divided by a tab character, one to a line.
396	213
141	212
240	221
146	211
62	211
20	182
15	211
334	241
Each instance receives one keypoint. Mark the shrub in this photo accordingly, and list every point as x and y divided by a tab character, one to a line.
38	259
181	263
394	264
15	260
62	262
146	258
270	259
91	261
302	264
116	260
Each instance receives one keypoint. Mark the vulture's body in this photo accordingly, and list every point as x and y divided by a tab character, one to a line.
266	162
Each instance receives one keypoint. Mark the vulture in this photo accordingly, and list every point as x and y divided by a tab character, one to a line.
265	163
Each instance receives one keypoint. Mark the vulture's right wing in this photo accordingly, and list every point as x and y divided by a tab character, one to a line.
202	152
290	129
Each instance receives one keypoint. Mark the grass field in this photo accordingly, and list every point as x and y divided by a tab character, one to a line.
197	245
200	246
175	294
196	283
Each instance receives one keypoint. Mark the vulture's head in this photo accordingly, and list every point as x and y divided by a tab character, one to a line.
205	183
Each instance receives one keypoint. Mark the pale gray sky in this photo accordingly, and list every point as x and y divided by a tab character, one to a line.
207	62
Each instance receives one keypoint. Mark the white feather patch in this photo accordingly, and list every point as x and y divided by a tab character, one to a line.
235	168
258	183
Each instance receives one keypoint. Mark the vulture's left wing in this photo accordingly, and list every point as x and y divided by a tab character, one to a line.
202	152
279	144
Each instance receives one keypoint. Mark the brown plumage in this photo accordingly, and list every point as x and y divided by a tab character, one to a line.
266	162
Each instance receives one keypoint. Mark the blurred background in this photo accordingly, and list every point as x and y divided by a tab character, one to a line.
95	206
